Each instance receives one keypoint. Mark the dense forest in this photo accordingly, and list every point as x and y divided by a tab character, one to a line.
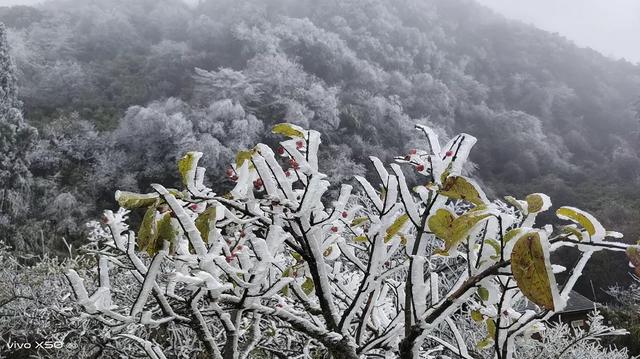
119	90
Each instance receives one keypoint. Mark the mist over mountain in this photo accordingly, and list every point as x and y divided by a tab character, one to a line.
119	90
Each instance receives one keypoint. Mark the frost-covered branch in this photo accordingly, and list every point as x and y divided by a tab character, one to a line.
278	267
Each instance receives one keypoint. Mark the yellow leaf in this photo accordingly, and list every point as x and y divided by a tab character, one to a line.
537	202
205	222
476	316
187	167
514	202
403	240
532	271
633	253
166	232
288	130
395	227
491	327
572	230
511	234
308	286
484	343
440	223
453	231
130	200
458	187
587	221
483	293
358	221
242	156
328	251
493	243
148	231
360	239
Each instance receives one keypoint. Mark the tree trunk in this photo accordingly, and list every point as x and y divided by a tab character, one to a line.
407	344
344	349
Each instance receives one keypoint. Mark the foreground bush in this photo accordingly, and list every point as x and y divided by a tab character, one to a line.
275	268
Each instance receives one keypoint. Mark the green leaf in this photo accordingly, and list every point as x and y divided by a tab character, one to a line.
308	286
148	231
359	221
296	256
130	200
511	234
458	187
586	220
493	243
532	270
205	222
476	316
288	130
395	227
485	343
360	239
187	166
242	156
483	293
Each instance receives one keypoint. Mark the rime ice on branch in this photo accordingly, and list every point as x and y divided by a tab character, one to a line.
276	267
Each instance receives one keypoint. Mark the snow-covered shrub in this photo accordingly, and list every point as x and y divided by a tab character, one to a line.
561	341
275	268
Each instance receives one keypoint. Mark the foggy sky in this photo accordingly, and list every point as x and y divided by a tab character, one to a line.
611	27
19	2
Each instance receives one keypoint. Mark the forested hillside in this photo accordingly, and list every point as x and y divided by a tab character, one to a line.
119	90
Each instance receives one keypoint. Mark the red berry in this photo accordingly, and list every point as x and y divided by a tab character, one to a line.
280	150
334	229
257	183
407	158
413	151
193	206
449	153
104	219
345	214
230	258
299	144
293	163
230	172
234	178
420	168
242	234
288	174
